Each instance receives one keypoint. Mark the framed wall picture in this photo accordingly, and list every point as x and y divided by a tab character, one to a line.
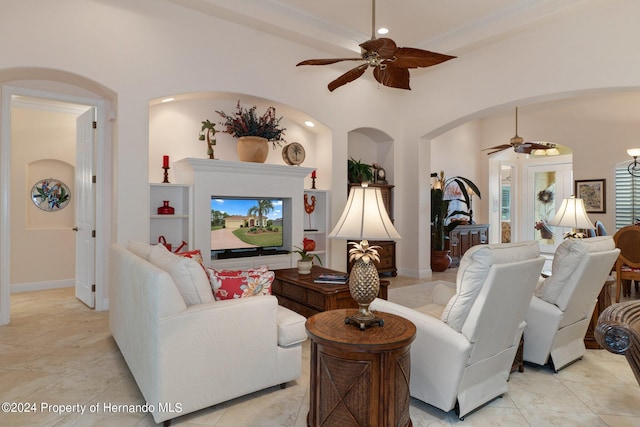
594	194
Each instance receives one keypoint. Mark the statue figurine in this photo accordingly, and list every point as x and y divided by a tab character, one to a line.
208	136
309	208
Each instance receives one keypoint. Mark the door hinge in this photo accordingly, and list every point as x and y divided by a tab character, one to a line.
93	179
95	125
93	233
93	287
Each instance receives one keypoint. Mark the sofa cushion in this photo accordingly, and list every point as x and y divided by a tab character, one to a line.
291	329
228	284
566	260
187	274
143	250
195	254
472	273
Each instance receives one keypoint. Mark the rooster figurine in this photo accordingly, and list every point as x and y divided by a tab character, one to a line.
309	207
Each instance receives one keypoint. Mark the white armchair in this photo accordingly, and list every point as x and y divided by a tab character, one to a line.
563	303
462	359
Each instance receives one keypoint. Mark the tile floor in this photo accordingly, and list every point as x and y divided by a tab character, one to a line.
58	352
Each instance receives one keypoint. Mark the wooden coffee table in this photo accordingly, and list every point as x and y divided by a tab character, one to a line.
359	378
299	293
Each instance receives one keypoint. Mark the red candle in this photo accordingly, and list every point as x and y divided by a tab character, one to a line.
313	174
165	161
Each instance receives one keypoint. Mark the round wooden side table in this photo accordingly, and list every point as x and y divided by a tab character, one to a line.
359	378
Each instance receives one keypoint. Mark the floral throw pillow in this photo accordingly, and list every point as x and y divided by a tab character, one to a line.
229	284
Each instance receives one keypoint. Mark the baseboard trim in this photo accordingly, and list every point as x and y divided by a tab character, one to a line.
41	286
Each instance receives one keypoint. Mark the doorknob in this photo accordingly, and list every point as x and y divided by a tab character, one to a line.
75	228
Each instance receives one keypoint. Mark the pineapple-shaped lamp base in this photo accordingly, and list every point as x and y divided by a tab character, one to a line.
364	284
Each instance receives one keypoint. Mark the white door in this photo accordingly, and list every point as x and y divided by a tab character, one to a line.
85	209
547	186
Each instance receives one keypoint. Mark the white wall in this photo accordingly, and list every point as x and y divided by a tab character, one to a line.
42	242
147	49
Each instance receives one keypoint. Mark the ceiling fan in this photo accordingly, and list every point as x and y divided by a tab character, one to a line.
518	144
390	63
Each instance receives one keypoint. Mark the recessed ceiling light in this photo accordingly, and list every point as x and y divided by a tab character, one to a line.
309	123
383	30
167	100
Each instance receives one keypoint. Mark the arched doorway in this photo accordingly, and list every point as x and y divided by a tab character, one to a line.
62	87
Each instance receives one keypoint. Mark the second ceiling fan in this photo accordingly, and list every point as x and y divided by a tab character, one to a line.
518	144
390	63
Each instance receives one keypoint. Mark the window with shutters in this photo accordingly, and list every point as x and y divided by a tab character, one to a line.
627	197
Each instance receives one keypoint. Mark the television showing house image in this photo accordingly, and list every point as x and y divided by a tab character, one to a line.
245	226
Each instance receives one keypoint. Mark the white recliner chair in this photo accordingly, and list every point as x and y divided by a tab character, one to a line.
563	303
463	352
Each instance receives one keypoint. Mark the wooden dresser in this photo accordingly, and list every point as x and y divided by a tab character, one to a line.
463	237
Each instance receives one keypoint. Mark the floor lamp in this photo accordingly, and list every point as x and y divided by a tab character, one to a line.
364	217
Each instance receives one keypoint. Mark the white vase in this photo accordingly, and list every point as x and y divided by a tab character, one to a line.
304	267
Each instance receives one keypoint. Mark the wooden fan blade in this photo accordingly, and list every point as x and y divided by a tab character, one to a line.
392	77
494	152
536	146
498	147
326	61
386	48
409	57
347	77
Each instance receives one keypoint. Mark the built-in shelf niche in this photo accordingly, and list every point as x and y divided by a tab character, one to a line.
242	179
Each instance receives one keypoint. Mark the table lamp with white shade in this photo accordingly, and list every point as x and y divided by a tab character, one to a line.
572	213
364	217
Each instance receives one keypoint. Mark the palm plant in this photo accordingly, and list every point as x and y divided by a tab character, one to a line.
263	207
358	172
440	207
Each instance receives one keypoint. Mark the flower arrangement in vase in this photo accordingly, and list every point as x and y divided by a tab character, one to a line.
245	124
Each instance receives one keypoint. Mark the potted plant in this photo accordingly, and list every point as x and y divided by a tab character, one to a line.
254	132
358	172
306	260
440	200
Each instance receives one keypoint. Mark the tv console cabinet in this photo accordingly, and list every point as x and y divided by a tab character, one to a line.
274	262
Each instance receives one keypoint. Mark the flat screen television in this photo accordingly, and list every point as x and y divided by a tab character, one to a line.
246	226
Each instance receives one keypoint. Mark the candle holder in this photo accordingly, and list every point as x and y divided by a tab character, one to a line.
313	182
166	175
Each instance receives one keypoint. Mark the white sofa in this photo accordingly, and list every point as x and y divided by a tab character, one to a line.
198	355
563	303
468	335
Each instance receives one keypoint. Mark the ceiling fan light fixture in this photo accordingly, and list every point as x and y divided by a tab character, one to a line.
390	63
518	144
382	31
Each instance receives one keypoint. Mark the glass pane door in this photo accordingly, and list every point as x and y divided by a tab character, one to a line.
547	186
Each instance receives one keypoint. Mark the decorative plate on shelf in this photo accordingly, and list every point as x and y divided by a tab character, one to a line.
50	194
293	154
